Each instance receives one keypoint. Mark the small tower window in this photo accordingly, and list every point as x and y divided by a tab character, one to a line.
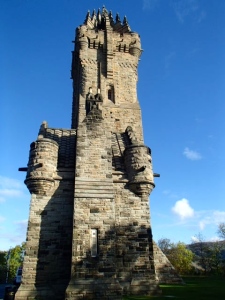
94	242
110	91
110	94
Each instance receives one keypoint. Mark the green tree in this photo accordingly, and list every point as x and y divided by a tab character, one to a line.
3	266
209	255
221	230
215	256
202	253
178	254
181	258
15	260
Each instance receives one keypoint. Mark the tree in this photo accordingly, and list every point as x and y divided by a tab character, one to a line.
202	252
181	258
221	230
14	259
3	266
209	255
178	254
216	257
165	245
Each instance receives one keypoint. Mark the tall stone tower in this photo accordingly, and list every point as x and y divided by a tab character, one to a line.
89	234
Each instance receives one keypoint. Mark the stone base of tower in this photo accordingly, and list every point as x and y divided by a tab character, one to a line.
109	289
31	292
143	287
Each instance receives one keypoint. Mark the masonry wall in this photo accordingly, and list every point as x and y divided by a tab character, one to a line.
134	256
46	267
94	179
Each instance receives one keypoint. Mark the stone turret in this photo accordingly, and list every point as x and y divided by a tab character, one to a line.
42	166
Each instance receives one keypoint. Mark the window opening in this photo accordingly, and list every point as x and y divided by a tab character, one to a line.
110	94
94	242
110	91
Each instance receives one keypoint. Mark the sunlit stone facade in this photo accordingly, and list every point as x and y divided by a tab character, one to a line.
89	233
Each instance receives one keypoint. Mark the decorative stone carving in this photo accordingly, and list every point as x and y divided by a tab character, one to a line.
131	135
93	101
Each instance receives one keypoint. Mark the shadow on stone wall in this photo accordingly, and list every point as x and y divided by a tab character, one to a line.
124	265
55	244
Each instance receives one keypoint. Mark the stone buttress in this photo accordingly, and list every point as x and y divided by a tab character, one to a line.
89	233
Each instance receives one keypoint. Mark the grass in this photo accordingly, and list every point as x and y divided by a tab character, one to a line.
195	288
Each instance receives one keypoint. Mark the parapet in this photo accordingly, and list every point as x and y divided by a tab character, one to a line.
91	33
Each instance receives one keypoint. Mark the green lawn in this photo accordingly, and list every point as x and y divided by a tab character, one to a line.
195	288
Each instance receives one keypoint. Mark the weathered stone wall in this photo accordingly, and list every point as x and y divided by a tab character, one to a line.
107	60
89	233
134	255
46	267
94	208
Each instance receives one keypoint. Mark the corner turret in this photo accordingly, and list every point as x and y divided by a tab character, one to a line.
42	164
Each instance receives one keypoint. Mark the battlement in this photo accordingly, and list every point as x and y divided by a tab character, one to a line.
105	58
91	33
98	21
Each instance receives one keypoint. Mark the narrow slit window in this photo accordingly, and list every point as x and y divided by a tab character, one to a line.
110	94
94	242
110	91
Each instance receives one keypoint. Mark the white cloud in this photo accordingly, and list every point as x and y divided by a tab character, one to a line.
2	219
22	226
2	200
170	194
191	154
169	58
202	16
206	218
219	216
6	182
12	192
10	187
185	8
183	209
202	225
12	235
149	4
194	239
215	239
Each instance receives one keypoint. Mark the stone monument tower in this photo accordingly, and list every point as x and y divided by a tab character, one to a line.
89	234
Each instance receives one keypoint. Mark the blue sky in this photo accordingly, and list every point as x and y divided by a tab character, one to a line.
181	92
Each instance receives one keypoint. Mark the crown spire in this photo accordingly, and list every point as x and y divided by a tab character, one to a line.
117	18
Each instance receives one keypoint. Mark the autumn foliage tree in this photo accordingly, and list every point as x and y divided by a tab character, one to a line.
178	254
181	258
